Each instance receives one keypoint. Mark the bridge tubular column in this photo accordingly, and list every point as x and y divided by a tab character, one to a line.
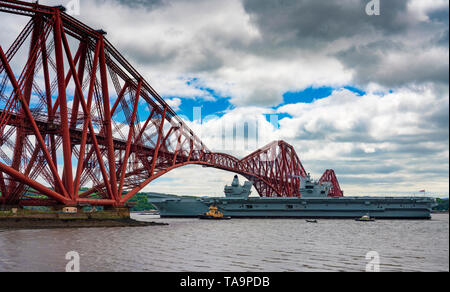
88	125
29	77
158	143
130	136
48	96
107	123
39	138
67	148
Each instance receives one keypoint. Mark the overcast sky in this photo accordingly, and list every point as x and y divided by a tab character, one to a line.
365	95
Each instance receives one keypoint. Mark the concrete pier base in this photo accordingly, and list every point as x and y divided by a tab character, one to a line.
121	212
10	207
57	218
65	212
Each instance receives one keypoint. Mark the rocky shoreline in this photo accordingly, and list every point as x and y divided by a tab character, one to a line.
47	223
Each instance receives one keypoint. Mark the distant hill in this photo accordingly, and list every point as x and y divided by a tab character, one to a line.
142	203
442	205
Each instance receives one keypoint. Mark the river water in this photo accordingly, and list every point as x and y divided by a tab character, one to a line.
234	245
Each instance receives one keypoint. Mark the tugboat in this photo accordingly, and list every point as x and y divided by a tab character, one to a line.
365	218
214	213
311	221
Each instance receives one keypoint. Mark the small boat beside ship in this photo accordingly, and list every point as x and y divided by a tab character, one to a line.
214	214
150	212
365	218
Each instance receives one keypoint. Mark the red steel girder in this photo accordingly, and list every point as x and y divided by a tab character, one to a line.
105	151
330	176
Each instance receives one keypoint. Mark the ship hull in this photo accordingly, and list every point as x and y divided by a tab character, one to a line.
332	208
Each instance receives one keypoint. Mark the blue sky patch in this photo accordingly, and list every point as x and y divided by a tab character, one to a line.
221	104
355	90
307	96
216	107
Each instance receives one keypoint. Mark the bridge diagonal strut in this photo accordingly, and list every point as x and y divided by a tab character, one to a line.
80	125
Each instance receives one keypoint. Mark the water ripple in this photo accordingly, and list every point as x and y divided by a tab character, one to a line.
234	245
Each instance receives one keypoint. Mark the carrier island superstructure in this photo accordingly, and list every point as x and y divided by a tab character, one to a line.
313	203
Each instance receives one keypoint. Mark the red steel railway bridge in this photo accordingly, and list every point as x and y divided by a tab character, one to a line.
72	132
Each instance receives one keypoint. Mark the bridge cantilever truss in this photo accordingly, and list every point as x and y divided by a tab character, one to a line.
330	176
79	125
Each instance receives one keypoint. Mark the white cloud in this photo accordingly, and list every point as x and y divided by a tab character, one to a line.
182	48
376	143
174	103
420	8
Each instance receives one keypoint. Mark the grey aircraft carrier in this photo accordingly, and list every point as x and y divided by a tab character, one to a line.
314	203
